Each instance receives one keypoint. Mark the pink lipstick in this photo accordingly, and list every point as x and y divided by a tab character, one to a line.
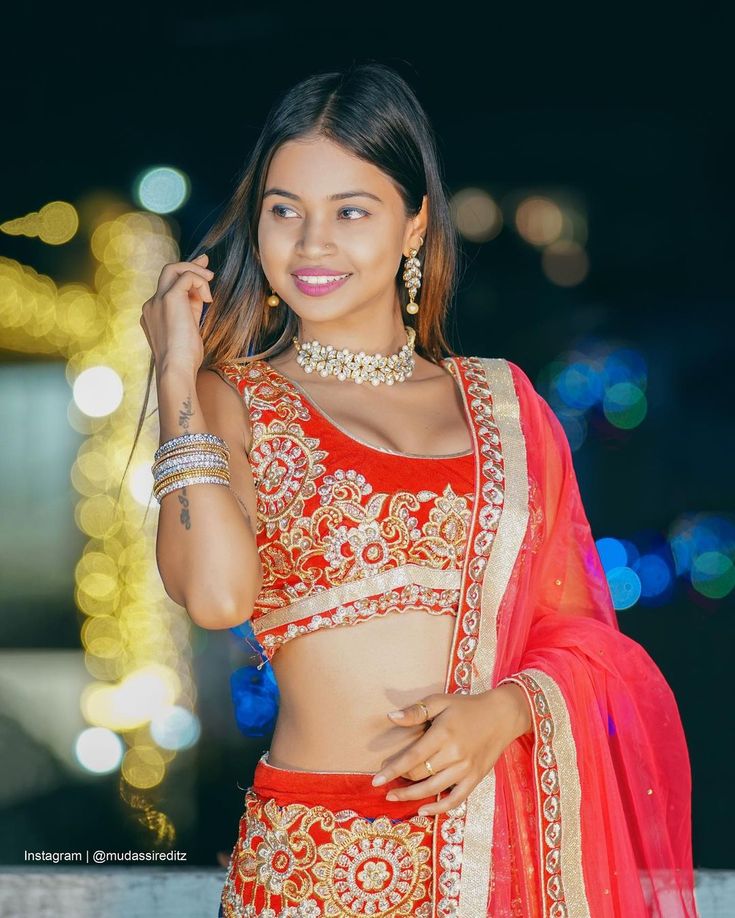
320	280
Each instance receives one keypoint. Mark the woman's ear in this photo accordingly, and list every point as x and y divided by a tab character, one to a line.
421	220
416	230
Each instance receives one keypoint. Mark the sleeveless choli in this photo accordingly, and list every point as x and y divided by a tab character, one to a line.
346	531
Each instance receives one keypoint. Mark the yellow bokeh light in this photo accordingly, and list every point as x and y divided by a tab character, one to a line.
129	626
476	215
143	766
55	223
539	220
565	263
137	698
98	516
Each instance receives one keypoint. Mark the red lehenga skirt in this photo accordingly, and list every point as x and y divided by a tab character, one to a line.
315	844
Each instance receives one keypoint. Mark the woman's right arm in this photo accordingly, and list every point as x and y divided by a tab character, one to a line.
206	550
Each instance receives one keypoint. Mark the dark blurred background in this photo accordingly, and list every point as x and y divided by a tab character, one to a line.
589	154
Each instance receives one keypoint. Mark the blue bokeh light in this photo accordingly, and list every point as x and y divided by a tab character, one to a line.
612	553
655	575
625	587
579	385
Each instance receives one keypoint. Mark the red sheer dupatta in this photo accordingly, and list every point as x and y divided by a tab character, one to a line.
593	808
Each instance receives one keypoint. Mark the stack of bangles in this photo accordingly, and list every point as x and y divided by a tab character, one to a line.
192	458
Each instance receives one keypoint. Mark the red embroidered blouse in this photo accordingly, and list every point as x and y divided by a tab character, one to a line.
345	530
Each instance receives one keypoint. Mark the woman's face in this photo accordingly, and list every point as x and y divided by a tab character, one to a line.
324	208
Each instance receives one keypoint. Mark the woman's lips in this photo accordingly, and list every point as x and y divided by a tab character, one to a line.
319	289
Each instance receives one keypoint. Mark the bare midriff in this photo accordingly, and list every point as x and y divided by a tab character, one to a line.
338	684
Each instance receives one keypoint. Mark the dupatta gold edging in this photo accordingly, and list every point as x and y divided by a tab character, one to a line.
463	835
558	797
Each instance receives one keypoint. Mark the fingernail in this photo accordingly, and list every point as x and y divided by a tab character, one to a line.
378	779
422	812
397	714
390	796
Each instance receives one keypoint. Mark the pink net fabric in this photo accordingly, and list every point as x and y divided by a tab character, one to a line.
620	752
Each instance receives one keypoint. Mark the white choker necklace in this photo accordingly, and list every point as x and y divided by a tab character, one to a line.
327	360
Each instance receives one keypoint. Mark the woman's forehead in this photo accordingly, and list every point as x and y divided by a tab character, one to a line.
320	168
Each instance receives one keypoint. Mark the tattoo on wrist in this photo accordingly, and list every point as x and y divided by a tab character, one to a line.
186	414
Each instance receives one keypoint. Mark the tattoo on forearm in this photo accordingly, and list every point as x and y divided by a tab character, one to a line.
185	415
184	516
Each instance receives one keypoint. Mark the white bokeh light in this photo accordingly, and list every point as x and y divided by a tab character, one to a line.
140	484
175	728
98	391
99	750
162	189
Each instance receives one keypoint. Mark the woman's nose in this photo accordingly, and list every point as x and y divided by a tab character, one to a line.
315	236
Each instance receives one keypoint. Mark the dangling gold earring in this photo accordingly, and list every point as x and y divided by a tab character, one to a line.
412	278
273	300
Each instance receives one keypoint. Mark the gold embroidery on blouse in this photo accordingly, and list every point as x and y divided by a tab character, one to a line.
327	541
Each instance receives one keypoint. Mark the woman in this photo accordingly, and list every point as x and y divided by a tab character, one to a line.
411	551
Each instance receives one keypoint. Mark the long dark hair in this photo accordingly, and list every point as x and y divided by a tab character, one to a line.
371	112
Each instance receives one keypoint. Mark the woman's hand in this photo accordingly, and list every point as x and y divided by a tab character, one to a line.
171	316
466	737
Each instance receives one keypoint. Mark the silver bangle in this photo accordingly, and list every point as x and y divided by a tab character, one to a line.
187	439
192	460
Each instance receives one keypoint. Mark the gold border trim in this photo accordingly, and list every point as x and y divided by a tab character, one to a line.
562	887
325	600
480	805
513	520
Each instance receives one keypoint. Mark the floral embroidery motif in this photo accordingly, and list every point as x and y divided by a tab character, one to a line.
360	539
320	527
308	862
285	464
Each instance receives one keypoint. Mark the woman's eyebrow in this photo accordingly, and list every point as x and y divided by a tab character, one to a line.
340	195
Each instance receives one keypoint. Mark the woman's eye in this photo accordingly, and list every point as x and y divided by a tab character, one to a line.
278	208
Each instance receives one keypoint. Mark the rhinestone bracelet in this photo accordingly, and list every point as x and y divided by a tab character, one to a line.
188	461
183	479
197	472
222	473
188	439
193	448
